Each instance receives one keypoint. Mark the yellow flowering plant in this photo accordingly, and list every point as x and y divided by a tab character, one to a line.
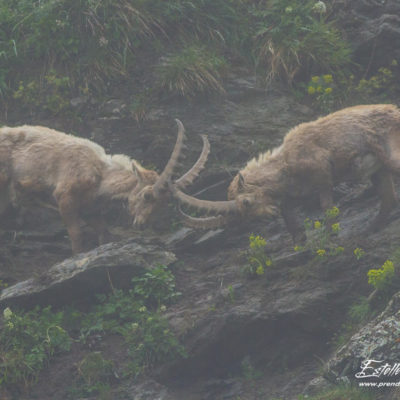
321	235
257	259
381	278
321	90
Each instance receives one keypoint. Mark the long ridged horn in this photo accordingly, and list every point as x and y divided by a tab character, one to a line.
217	206
166	175
192	174
202	223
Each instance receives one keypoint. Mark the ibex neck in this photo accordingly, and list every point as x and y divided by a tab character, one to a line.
117	183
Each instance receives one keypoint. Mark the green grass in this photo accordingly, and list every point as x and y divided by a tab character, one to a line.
92	43
28	340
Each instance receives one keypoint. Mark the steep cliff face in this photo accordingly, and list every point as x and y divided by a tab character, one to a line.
246	338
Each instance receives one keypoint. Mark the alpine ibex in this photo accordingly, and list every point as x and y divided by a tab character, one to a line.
356	143
38	164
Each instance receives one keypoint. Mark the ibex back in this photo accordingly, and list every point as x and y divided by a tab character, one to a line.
355	143
41	163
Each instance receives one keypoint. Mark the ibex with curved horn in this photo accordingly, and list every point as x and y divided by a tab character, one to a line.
355	143
39	163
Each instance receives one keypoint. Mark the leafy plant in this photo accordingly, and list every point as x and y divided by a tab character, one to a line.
52	95
294	35
155	287
381	279
380	86
27	342
359	253
96	374
320	235
150	341
322	90
257	259
137	316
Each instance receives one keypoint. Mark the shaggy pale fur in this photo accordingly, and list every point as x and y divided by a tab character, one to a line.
355	143
42	163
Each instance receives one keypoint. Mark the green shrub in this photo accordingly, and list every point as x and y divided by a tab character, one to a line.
294	36
137	316
50	95
257	259
95	42
156	287
27	342
381	279
321	235
95	376
150	341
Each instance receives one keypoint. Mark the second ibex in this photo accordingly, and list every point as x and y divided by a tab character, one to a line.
356	143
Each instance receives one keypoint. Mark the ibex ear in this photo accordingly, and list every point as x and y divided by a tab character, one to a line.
240	182
137	170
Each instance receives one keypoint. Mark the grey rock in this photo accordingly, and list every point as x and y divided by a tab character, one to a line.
317	385
79	102
372	27
114	107
148	390
378	340
79	277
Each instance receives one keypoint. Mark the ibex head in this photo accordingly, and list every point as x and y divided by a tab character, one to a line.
152	190
249	196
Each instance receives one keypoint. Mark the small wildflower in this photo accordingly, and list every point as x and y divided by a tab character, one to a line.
394	63
288	10
332	212
307	223
311	90
328	90
317	225
7	313
268	262
339	250
163	308
260	270
319	7
319	89
381	278
335	227
328	78
143	309
103	41
134	326
315	79
321	252
358	253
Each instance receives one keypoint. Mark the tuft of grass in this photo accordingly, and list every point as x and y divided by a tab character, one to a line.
190	71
